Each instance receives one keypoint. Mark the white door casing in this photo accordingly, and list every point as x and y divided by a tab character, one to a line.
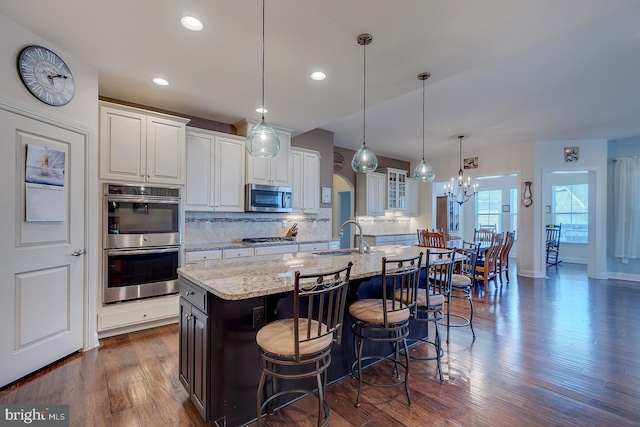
42	290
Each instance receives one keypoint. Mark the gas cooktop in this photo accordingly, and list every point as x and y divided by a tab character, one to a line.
267	239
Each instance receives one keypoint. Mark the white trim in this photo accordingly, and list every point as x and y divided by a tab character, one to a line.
90	259
624	276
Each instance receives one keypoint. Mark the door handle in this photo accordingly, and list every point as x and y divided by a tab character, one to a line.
78	252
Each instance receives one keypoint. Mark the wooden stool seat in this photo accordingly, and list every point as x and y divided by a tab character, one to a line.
278	337
371	311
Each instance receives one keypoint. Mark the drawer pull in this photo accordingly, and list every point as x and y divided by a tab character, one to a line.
188	293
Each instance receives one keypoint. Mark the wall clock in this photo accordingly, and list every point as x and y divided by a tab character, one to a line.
571	154
46	76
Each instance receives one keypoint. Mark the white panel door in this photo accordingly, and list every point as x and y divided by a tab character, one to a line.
42	275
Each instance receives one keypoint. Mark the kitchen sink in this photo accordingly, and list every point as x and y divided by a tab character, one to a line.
339	252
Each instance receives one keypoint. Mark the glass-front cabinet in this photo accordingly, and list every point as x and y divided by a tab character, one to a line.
396	188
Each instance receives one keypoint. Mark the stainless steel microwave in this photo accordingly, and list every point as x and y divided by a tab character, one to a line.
266	198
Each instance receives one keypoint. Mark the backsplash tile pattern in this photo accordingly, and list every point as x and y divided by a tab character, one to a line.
233	227
388	224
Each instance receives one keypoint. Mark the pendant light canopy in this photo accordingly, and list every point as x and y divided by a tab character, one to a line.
262	140
364	160
424	171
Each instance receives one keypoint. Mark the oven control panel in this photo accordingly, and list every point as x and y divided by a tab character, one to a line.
141	190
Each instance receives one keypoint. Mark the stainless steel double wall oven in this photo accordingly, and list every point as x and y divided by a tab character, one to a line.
141	241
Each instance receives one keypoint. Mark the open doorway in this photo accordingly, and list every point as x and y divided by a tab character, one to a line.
566	205
343	209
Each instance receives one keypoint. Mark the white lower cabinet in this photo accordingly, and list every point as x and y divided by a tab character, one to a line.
215	172
237	253
195	256
313	247
130	316
274	250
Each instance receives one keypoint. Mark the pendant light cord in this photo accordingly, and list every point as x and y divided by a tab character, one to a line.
460	172
364	95
423	120
263	9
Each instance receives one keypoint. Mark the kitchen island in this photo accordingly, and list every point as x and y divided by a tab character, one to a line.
224	303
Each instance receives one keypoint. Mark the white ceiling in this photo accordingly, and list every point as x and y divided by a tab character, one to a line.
503	71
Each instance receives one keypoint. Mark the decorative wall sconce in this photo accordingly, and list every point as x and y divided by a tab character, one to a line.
526	196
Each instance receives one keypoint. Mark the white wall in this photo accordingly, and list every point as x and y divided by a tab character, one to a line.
549	156
82	110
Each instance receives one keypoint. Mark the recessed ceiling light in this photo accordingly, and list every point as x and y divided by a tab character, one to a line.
318	75
261	110
160	81
191	23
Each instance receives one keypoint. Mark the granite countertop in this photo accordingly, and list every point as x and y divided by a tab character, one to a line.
191	247
237	279
387	234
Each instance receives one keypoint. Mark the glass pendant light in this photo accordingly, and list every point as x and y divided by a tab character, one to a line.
424	171
262	140
364	160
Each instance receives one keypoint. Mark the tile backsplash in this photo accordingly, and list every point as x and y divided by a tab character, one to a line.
214	227
388	224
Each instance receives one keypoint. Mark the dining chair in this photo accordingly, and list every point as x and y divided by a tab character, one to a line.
482	235
502	263
486	268
421	241
300	347
434	239
386	320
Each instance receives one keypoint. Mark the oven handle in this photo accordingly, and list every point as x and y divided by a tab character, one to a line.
142	200
142	251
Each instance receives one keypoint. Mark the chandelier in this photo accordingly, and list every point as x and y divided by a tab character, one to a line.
462	190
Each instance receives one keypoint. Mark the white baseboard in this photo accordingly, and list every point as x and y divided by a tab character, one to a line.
624	276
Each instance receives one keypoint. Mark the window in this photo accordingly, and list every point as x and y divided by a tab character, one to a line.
489	208
570	208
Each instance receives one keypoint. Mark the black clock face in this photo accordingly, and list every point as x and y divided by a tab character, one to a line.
46	76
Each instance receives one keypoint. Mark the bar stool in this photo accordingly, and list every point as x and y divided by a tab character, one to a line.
462	283
430	299
300	347
386	320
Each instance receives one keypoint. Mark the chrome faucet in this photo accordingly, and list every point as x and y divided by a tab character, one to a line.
364	246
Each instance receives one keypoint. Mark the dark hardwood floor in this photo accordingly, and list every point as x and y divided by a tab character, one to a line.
561	351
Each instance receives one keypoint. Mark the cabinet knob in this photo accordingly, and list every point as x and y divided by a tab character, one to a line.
188	316
186	294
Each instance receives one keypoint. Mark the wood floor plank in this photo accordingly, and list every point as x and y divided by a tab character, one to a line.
556	351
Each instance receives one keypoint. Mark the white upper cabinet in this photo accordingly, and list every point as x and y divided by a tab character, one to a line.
370	189
141	146
396	188
215	172
274	171
412	205
305	185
